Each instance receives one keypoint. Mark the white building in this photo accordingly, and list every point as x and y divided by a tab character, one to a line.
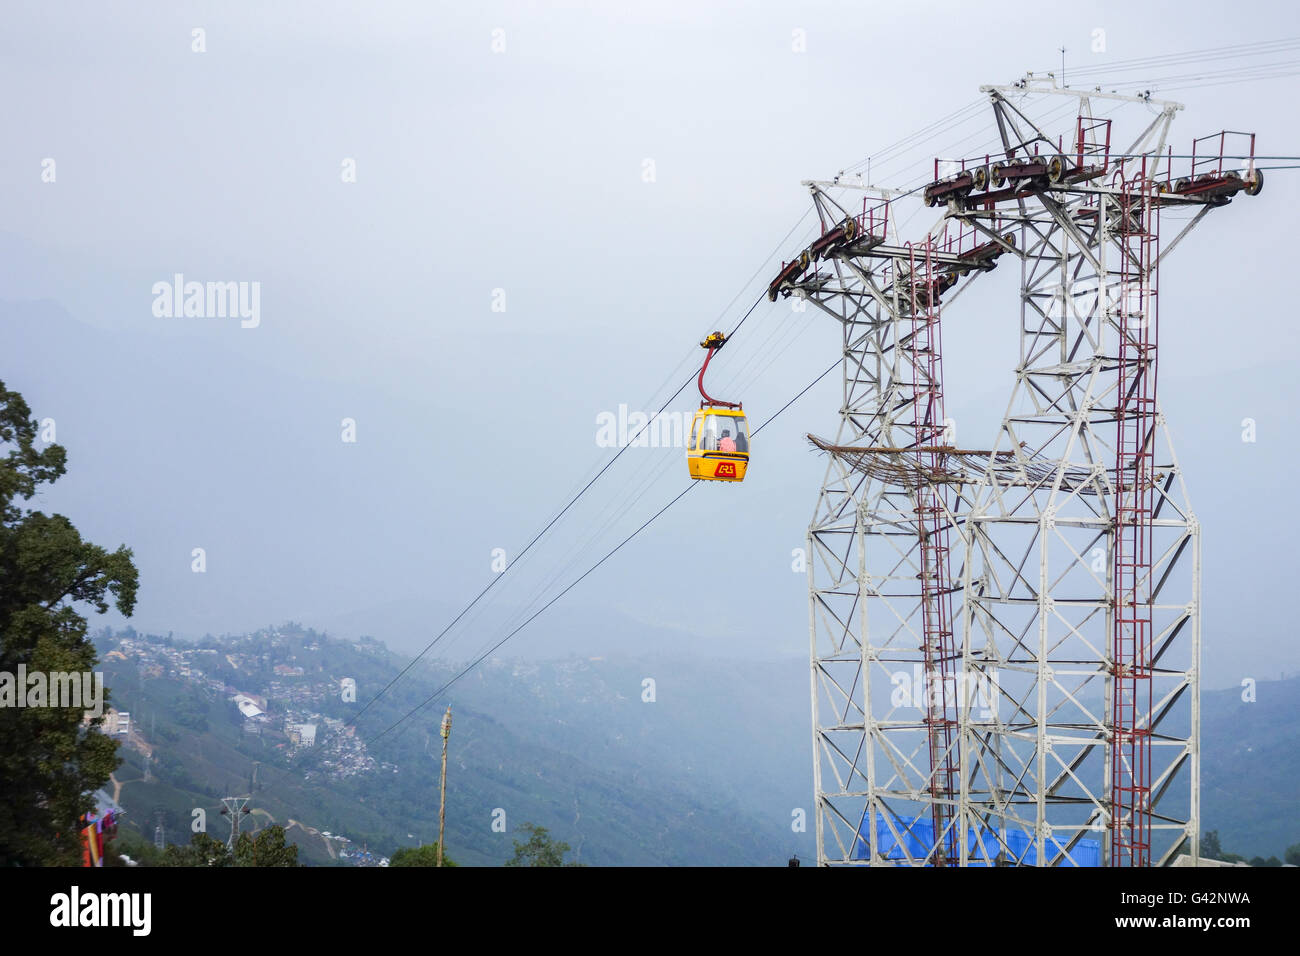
247	707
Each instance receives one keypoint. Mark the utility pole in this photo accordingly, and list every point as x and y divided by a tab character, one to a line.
148	757
236	808
159	836
442	802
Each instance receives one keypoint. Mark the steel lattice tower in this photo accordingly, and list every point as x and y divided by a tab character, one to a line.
880	553
1082	576
1071	676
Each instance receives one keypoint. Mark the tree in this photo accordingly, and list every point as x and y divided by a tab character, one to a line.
190	710
49	761
1212	849
202	851
540	850
134	845
267	848
423	855
1293	854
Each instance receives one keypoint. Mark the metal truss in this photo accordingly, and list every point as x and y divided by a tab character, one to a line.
879	547
1071	675
1082	575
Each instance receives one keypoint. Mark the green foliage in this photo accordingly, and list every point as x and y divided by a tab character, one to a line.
425	855
1211	848
1293	854
1249	775
267	848
128	843
50	763
378	810
539	850
202	851
191	710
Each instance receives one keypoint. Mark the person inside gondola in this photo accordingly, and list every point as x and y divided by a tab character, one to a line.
726	442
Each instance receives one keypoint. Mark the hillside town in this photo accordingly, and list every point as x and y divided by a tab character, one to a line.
273	694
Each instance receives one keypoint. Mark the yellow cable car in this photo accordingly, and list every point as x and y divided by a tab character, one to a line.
718	445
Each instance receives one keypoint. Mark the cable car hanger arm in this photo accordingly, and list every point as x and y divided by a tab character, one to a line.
711	344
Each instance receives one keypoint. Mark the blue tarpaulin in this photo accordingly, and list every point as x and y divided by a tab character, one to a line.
983	847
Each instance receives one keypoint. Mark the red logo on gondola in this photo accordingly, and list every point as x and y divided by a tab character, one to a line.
726	469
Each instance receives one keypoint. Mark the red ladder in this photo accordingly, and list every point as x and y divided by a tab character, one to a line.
1131	688
937	642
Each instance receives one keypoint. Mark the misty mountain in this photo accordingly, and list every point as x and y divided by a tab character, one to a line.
641	760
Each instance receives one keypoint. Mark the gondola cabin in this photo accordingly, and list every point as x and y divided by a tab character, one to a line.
718	445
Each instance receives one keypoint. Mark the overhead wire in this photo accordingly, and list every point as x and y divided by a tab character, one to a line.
890	156
1210	54
785	332
1152	68
581	492
528	547
909	141
624	503
649	521
737	384
895	152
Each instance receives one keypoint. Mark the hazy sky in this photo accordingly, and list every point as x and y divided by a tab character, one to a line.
501	154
